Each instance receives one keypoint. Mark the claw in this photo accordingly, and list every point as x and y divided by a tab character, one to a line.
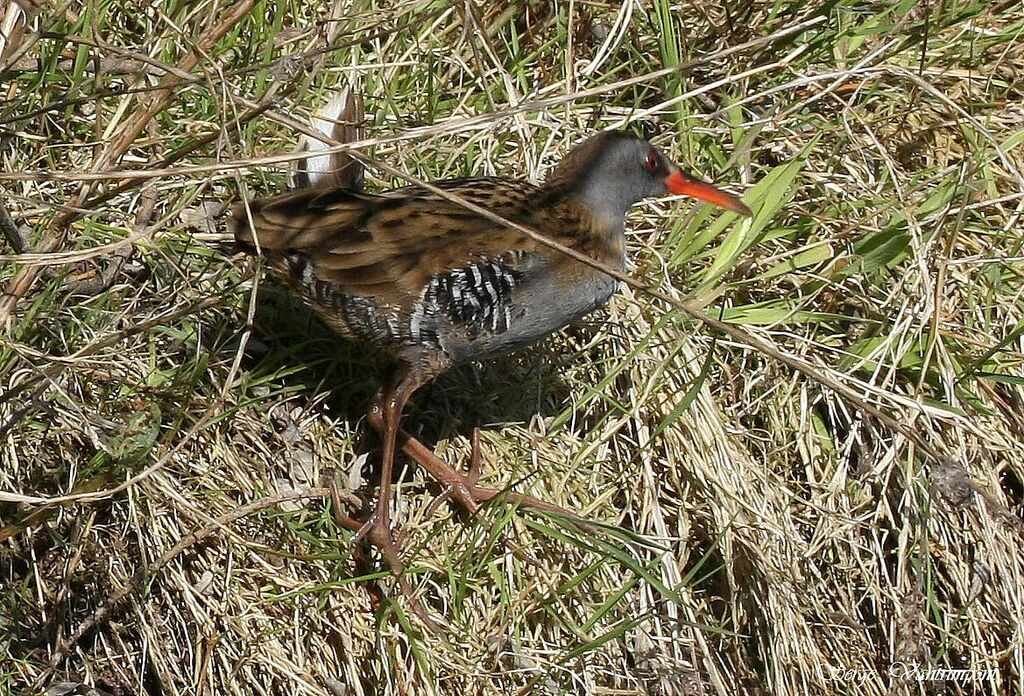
367	528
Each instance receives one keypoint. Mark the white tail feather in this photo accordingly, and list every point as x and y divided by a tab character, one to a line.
339	121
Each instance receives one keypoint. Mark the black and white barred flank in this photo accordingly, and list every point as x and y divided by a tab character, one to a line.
477	298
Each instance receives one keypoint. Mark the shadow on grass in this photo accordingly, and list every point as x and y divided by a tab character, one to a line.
291	344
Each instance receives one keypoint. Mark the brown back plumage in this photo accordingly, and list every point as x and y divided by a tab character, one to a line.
387	247
391	244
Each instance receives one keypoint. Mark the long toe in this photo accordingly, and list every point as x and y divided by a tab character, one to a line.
462	487
384	539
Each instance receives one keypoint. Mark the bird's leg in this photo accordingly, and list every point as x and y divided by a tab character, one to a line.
474	457
469	481
384	416
385	413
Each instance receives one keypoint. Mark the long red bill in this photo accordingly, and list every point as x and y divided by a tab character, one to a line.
682	184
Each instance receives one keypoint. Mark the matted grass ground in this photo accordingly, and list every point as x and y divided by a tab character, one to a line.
817	516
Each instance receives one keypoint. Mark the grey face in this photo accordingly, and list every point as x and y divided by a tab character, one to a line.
626	172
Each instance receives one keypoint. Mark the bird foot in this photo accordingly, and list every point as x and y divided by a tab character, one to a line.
462	487
371	529
378	533
458	487
468	479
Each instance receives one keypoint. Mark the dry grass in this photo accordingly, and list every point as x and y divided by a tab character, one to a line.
849	497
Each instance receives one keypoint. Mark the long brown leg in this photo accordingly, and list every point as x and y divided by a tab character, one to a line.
385	414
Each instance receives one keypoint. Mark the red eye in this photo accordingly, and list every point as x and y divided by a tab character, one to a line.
651	163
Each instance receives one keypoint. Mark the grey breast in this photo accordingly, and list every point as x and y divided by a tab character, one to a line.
499	306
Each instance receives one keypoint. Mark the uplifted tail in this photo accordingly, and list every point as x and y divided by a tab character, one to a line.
340	121
281	221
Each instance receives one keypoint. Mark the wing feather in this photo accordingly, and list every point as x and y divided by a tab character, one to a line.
390	244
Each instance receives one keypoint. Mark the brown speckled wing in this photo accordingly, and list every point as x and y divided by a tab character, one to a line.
388	245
